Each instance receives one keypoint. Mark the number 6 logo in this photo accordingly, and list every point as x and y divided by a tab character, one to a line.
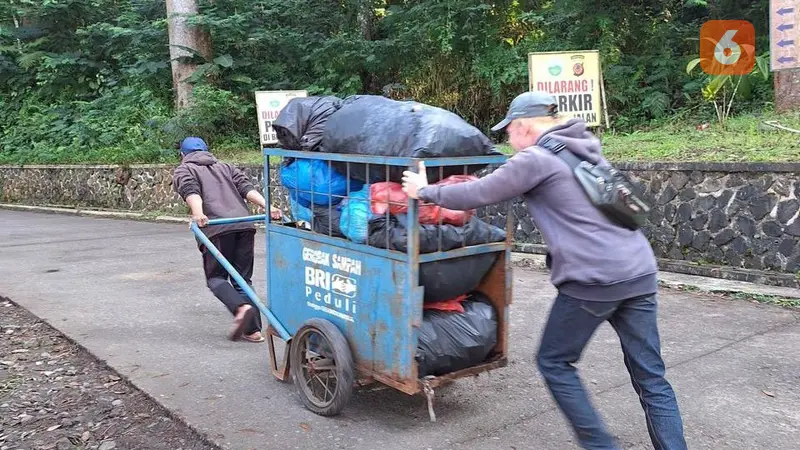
727	47
727	51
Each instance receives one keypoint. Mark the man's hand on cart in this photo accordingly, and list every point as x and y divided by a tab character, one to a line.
274	212
200	219
413	182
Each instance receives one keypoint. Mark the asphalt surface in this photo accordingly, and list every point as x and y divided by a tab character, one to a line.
134	295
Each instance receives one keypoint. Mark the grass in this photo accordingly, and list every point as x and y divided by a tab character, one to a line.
743	139
765	299
239	156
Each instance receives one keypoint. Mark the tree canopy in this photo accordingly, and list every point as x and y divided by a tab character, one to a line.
90	80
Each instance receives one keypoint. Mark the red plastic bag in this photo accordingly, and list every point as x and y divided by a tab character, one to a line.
389	195
454	304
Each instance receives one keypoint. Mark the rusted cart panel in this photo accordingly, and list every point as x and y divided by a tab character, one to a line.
365	302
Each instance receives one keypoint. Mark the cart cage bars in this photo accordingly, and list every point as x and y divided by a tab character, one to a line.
370	169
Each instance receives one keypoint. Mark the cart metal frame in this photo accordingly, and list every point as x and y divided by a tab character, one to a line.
370	295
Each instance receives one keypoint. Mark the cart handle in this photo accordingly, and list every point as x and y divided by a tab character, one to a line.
228	220
273	321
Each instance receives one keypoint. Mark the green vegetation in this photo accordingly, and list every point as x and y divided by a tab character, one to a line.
766	299
745	138
89	81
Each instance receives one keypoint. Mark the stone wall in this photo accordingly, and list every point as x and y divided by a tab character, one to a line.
136	188
740	215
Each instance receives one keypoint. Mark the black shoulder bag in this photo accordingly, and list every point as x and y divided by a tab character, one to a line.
607	188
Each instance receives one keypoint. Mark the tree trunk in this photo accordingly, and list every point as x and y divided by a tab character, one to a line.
366	24
787	90
183	35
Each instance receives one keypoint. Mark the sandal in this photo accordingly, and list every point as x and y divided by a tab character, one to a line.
240	323
251	337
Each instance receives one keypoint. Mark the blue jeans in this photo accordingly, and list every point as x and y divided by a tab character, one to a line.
571	324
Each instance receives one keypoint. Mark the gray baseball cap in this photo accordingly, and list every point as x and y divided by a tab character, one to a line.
529	104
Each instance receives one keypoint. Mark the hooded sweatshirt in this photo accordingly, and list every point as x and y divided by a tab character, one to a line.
591	257
222	187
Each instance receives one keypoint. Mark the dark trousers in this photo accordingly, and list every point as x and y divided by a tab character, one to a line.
570	325
238	249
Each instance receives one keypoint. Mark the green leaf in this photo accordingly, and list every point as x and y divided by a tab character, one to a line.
716	84
28	60
199	73
242	79
188	49
745	90
224	61
692	64
657	104
762	65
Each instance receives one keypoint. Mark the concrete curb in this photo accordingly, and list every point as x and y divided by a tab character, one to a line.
675	280
123	215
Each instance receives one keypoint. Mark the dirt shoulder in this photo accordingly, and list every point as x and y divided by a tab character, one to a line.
55	395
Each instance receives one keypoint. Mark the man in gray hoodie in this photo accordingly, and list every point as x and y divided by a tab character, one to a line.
214	189
603	272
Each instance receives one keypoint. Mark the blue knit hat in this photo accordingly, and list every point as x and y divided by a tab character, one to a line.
193	144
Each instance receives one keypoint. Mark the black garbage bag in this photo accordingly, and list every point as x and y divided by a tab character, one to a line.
378	126
447	278
451	341
326	220
301	122
475	232
450	278
350	99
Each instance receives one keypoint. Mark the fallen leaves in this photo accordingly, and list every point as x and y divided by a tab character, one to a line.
55	396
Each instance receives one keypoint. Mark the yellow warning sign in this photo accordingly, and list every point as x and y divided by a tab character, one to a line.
574	78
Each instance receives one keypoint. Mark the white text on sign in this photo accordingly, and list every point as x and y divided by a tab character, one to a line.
332	293
578	103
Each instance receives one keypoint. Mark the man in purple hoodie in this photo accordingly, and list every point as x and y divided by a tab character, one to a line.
603	272
214	189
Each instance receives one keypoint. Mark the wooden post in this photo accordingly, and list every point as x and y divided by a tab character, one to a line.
787	90
784	43
183	35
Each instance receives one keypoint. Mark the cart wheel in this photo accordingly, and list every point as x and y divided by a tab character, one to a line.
322	367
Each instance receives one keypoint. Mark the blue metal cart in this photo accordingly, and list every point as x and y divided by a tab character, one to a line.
348	313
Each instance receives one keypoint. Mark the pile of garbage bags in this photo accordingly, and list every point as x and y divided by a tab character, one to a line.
379	126
452	339
369	207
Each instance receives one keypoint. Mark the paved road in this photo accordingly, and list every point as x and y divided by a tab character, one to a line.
133	294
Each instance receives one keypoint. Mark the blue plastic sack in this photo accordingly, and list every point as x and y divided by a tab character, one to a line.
299	212
305	175
356	213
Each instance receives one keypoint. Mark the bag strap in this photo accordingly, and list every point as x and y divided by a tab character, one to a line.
558	148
